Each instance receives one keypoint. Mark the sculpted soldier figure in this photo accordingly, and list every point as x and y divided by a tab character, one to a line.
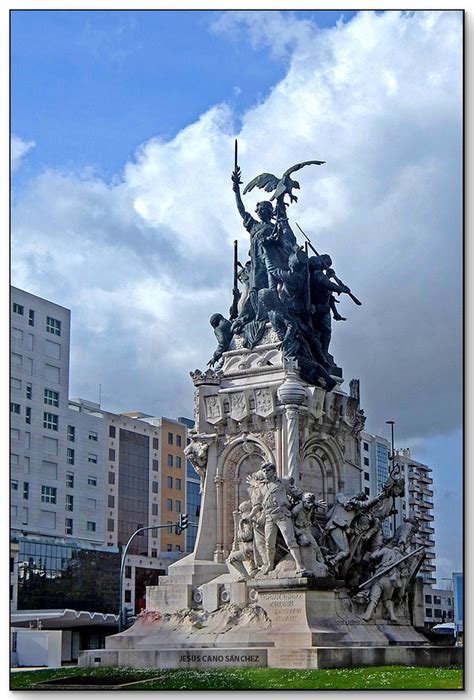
339	520
303	514
275	494
223	333
245	551
388	583
321	297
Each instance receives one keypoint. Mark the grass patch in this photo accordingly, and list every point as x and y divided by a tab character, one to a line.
373	677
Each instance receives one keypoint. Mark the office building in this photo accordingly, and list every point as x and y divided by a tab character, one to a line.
82	481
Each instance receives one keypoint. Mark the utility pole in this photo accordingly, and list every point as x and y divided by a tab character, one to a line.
391	423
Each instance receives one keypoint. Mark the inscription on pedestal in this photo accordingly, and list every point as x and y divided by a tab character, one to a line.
284	608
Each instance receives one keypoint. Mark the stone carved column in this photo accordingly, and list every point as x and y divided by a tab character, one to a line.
292	393
292	445
218	554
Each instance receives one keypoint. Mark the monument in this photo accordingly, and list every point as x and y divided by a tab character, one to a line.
291	567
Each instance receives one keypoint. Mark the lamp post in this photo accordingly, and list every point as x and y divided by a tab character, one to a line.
124	555
391	423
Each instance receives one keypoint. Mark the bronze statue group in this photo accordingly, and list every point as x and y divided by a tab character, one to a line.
283	285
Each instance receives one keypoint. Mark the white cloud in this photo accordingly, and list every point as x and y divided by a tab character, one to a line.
144	261
19	149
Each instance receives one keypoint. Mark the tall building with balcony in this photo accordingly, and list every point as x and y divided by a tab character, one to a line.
418	501
418	498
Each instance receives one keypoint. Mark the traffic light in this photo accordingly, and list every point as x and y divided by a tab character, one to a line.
182	523
127	617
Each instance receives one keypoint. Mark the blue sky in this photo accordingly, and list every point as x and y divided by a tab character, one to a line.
92	86
123	125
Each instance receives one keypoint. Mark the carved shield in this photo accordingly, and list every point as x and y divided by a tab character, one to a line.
213	409
264	405
238	406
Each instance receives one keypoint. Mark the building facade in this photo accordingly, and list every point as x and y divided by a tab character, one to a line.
84	479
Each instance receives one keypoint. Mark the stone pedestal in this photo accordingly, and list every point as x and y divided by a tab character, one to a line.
286	623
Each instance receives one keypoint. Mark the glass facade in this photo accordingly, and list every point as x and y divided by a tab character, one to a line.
55	576
133	489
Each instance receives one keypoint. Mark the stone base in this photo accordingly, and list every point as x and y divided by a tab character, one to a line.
279	623
251	657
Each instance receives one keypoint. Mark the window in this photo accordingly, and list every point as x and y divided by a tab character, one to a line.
170	460
178	440
71	433
178	462
428	599
50	421
93	435
112	431
128	572
367	490
31	317
169	547
112	455
155	443
111	477
429	612
154	553
178	484
154	487
170	482
110	525
437	600
92	459
29	391
110	501
155	465
28	414
91	526
92	481
68	526
366	461
169	504
26	490
154	508
177	548
128	596
366	446
48	494
17	333
53	325
51	397
15	408
15	383
438	613
69	502
170	438
70	480
14	485
18	309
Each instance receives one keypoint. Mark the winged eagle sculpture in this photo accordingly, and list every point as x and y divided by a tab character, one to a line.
280	186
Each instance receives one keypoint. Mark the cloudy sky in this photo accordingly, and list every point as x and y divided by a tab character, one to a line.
122	210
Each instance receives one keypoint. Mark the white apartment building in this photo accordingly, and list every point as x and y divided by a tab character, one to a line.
57	455
83	478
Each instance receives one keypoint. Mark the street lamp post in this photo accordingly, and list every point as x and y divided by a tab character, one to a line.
391	423
124	555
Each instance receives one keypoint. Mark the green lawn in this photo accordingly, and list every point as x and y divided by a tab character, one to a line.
374	677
